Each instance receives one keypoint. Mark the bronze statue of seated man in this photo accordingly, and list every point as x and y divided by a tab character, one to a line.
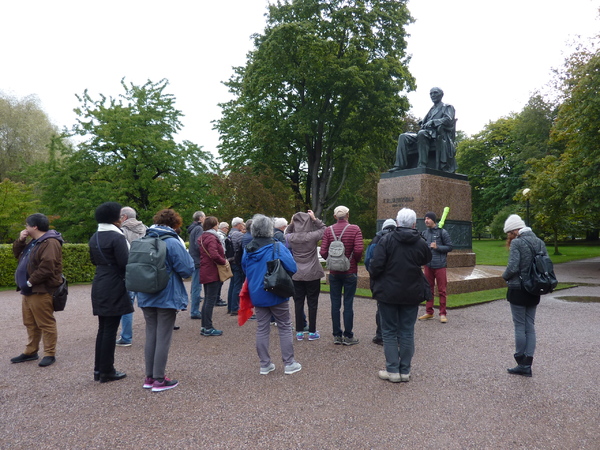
438	130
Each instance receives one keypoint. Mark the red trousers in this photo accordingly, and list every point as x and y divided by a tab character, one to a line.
439	276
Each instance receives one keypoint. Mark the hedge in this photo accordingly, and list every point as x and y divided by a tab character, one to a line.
77	266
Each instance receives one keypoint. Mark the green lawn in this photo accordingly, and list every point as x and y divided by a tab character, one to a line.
458	300
495	253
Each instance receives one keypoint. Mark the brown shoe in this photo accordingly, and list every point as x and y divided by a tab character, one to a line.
443	319
426	317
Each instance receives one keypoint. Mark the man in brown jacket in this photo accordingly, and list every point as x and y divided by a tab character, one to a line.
38	274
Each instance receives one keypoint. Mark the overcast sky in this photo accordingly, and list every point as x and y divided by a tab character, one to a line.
488	57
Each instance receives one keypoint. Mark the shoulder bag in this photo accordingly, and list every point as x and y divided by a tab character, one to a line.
277	280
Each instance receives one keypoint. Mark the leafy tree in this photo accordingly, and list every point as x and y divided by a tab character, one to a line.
25	133
246	192
496	158
17	201
127	154
490	159
577	129
320	95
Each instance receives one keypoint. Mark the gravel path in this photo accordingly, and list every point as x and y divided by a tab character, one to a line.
459	397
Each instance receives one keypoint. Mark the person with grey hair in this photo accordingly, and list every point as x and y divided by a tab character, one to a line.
399	286
261	249
352	238
235	285
132	229
194	231
279	224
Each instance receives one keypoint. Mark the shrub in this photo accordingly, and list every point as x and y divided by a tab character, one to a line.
77	266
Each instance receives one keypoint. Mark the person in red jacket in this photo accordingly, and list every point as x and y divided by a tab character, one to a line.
352	238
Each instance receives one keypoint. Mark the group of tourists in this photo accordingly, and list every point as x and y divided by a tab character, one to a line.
404	267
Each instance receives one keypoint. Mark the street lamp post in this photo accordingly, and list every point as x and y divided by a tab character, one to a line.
526	192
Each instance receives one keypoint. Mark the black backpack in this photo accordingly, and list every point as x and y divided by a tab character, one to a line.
540	279
229	253
146	269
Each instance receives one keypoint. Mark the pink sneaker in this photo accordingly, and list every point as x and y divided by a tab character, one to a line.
167	383
148	382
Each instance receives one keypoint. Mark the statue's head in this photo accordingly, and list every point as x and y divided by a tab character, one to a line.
436	94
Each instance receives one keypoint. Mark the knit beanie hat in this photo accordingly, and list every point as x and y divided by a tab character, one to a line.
514	222
389	223
432	216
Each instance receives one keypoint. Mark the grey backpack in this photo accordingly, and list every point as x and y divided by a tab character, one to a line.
146	269
337	260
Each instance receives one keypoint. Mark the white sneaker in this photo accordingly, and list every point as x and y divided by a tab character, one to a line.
405	377
267	370
293	368
390	376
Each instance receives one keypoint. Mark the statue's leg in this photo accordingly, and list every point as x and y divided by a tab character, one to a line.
406	145
423	142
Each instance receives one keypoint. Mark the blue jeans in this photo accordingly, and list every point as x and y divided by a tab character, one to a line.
347	282
235	286
127	323
195	294
524	321
398	332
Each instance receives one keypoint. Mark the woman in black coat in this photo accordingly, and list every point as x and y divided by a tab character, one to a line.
109	252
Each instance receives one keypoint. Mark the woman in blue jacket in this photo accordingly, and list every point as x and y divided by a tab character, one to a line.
261	249
160	308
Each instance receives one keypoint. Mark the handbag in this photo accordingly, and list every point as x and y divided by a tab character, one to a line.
225	272
59	298
277	280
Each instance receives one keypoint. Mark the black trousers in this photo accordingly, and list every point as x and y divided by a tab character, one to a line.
106	339
309	290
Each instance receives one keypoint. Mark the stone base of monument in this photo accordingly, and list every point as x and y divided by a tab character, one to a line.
426	190
460	279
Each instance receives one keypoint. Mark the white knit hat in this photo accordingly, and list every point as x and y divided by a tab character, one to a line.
514	222
389	223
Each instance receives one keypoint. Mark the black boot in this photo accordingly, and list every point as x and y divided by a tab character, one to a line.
524	366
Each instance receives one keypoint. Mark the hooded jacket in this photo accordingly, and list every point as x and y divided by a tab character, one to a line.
40	262
254	265
395	268
133	229
180	265
302	236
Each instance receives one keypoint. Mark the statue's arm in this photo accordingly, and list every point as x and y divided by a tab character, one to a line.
447	118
